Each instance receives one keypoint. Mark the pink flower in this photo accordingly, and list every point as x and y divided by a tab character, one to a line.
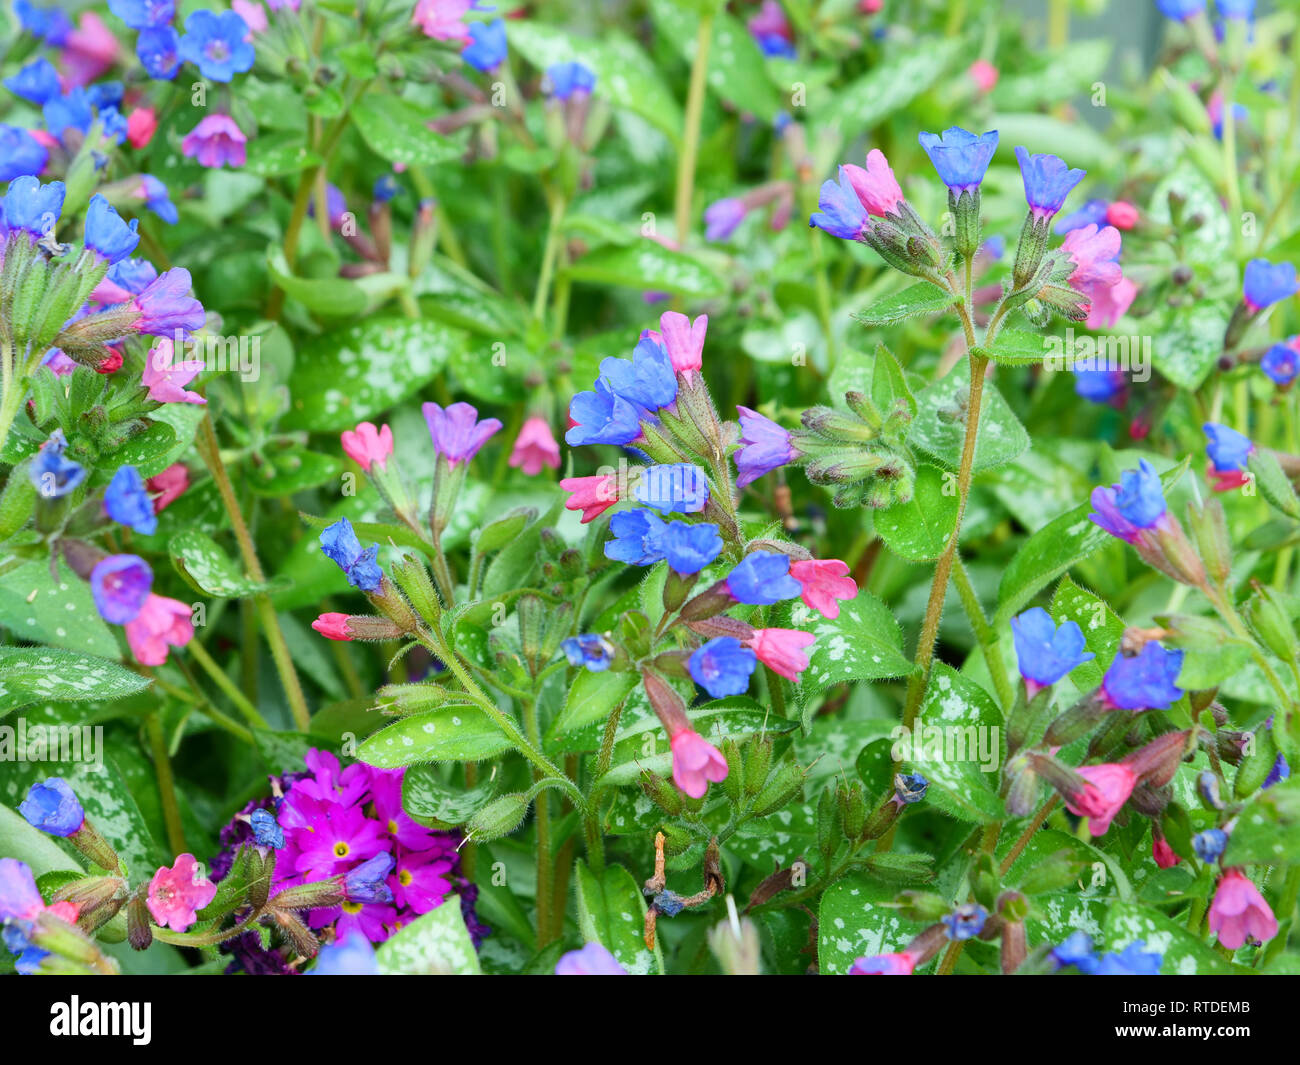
1109	302
332	626
169	485
1164	854
1108	787
366	445
824	581
251	12
1122	215
20	900
782	650
89	50
165	379
900	964
984	74
441	19
870	7
1093	252
216	141
176	893
421	880
695	762
1239	912
141	124
591	495
876	186
684	340
161	622
1226	480
386	794
535	447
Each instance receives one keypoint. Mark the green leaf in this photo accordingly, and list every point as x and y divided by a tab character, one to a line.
1015	347
1184	954
920	528
59	611
1203	245
592	697
854	921
432	801
878	376
1273	484
940	425
1268	829
891	85
344	377
47	674
396	130
205	566
435	944
611	912
448	734
19	840
957	738
285	473
863	643
279	155
1102	630
917	299
648	266
331	296
1189	344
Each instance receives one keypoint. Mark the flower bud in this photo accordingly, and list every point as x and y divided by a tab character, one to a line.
1077	721
138	933
853	809
317	895
97	898
1270	623
498	818
1210	532
922	906
662	793
735	944
780	788
1156	763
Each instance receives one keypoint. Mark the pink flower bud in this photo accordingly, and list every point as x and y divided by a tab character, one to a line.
535	447
782	650
591	495
824	581
162	622
1164	854
141	124
876	186
984	74
695	763
684	340
168	485
1108	787
366	445
1122	215
332	626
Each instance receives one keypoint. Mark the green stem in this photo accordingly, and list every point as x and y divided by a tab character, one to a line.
1285	912
591	822
254	716
162	768
691	134
545	855
12	400
984	635
1230	157
549	255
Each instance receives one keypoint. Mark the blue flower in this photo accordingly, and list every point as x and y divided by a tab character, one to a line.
1092	213
722	666
157	199
1265	283
1145	681
1097	385
763	577
674	488
48	23
108	234
638	536
215	44
689	548
1281	771
568	78
603	418
353	956
120	586
966	922
841	212
487	48
910	788
1181	10
367	882
72	110
589	649
37	82
127	501
1076	951
386	188
266	829
134	275
21	154
1136	503
1227	449
995	247
960	157
1210	844
647	381
143	14
105	94
159	52
1044	652
53	475
52	807
1134	960
339	542
1282	362
1047	181
113	123
1243	9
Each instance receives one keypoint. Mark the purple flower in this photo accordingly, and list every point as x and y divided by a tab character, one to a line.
723	216
637	539
674	488
589	649
215	43
723	666
108	235
159	51
960	157
1210	845
340	544
602	417
1136	503
127	501
592	960
1092	213
761	578
648	381
457	433
166	305
1044	652
350	956
569	78
689	548
841	212
21	154
487	48
1227	449
120	585
1144	682
52	807
36	83
31	206
966	921
1282	361
367	882
53	475
764	446
143	14
1265	283
1047	180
